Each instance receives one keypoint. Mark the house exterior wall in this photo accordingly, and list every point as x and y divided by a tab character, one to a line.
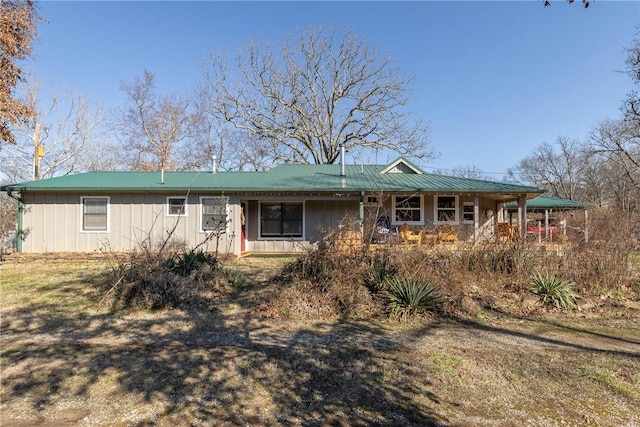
319	215
52	223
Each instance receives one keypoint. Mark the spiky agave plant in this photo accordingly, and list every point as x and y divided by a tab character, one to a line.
183	263
234	277
553	290
410	296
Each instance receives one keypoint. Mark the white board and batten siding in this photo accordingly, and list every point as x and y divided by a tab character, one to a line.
52	222
319	215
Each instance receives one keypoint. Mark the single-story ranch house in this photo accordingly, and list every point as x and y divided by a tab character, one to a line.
282	210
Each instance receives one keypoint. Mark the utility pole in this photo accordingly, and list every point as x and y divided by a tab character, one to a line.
38	152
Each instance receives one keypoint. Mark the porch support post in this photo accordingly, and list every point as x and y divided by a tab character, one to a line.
546	224
235	226
522	215
20	231
476	218
361	209
586	225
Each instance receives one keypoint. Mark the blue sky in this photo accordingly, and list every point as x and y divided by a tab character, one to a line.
493	79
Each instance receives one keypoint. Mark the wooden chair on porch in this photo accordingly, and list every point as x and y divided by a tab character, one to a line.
408	236
506	232
446	233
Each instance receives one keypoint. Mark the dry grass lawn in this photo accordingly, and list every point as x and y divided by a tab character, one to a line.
65	361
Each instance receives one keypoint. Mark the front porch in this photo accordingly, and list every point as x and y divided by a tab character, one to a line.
445	238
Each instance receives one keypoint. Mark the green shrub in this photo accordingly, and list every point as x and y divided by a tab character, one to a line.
234	277
382	269
186	262
410	296
155	280
552	290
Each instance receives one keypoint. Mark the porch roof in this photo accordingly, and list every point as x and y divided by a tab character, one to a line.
549	202
283	178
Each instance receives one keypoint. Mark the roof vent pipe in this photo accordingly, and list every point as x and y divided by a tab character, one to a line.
342	165
162	176
214	166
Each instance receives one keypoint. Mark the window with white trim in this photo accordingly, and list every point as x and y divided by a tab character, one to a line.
281	219
95	213
214	213
468	212
408	210
446	209
176	206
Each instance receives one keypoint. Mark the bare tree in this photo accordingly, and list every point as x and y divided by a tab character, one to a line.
103	156
17	32
8	220
210	135
54	140
631	105
617	141
322	88
234	149
597	188
156	129
558	168
466	171
254	153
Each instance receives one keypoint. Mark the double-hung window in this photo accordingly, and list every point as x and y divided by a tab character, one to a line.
214	213
468	212
176	206
95	214
408	210
281	220
446	209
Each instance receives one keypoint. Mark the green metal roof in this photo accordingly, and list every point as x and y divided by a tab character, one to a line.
549	202
141	181
283	178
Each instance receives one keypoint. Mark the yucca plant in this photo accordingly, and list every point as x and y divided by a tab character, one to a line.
183	263
411	296
382	269
234	277
553	290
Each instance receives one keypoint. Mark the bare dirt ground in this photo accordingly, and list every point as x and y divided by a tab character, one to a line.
64	361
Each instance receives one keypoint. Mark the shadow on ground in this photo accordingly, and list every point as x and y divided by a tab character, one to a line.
176	367
194	367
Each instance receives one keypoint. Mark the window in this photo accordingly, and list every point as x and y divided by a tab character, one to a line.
468	212
372	201
407	210
214	214
95	213
446	209
281	219
176	206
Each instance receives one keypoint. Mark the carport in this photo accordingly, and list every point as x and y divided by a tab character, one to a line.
546	205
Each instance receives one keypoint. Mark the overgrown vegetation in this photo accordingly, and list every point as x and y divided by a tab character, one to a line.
164	272
186	262
337	281
553	290
354	281
409	297
171	276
